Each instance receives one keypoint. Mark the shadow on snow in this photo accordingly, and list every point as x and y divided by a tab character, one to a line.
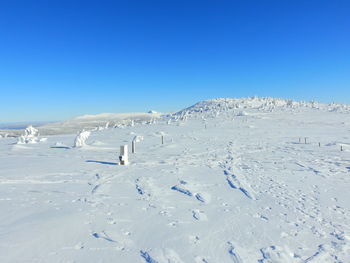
108	163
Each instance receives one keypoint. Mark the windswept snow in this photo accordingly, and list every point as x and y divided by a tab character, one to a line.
224	187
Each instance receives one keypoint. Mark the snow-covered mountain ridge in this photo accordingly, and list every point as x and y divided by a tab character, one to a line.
260	104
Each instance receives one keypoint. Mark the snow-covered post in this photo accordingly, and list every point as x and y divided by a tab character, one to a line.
123	157
341	148
299	140
136	139
162	139
305	140
319	144
81	138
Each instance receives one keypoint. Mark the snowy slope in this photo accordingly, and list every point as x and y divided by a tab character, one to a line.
230	184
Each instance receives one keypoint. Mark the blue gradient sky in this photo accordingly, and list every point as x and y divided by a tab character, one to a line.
60	59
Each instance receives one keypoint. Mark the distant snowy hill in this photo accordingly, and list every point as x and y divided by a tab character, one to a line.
89	122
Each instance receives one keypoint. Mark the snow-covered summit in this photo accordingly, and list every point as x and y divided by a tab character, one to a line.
259	104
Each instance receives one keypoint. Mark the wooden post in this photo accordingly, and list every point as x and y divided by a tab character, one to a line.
341	148
123	157
133	146
162	139
305	140
299	140
319	144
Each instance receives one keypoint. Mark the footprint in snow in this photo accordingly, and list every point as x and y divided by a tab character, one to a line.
199	215
234	256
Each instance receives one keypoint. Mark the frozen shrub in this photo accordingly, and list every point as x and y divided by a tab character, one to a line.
30	136
81	138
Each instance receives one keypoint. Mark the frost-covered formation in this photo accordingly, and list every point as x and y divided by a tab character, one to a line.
30	136
81	138
211	108
138	138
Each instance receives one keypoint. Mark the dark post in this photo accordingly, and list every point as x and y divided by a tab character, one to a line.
133	148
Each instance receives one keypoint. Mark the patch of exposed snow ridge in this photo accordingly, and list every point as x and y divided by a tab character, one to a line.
216	106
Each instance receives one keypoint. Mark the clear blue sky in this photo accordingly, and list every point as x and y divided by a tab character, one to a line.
63	58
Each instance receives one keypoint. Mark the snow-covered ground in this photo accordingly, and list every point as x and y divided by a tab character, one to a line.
231	183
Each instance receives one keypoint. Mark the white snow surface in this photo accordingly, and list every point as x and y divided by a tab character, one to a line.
224	187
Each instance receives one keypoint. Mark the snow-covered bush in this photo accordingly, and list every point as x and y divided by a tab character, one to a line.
30	136
138	138
241	113
81	138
